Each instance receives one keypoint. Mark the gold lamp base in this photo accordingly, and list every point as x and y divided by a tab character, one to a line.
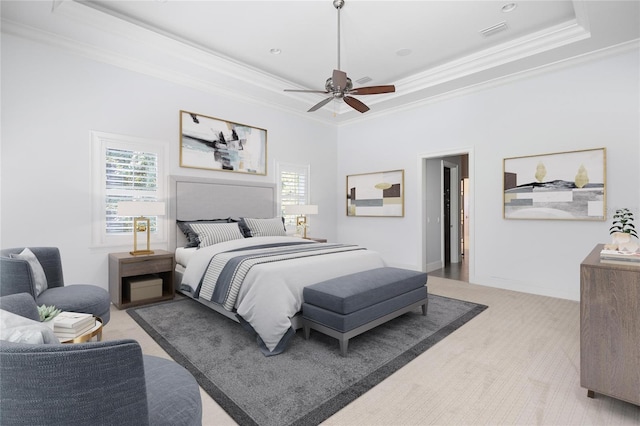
141	252
141	224
302	221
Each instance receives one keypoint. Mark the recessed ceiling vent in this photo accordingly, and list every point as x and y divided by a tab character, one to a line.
363	80
494	29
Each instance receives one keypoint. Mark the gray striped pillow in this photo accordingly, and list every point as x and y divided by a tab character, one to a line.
265	227
213	233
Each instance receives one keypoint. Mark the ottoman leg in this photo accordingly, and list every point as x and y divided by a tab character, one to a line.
424	308
344	343
306	329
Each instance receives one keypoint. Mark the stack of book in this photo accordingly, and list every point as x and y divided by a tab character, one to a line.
69	325
620	257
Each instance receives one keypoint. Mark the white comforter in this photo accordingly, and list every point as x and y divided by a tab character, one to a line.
272	293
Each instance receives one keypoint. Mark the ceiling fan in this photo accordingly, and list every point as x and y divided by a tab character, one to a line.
340	86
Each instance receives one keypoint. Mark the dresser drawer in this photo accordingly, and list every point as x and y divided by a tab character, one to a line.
150	266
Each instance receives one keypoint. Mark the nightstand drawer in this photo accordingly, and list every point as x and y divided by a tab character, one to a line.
150	266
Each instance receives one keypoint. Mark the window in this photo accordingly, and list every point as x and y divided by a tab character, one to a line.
125	169
294	189
129	175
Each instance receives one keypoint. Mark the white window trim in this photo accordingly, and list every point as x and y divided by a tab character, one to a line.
99	142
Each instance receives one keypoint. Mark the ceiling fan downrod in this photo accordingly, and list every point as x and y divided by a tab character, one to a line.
340	86
338	4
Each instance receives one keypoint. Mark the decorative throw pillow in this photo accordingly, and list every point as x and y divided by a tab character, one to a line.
192	236
213	233
15	328
263	227
39	277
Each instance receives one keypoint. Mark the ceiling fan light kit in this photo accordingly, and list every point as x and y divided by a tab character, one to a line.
339	86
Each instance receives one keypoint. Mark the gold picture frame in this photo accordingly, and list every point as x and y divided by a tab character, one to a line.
376	194
564	186
214	144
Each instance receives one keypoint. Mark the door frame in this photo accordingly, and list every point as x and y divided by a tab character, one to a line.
421	189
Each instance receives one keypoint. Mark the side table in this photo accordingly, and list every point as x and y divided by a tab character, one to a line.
95	331
124	266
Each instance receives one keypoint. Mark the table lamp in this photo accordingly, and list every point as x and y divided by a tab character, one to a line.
301	210
139	210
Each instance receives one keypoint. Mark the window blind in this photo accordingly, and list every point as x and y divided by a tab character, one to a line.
129	176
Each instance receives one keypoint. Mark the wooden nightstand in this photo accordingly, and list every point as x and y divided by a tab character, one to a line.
124	267
317	240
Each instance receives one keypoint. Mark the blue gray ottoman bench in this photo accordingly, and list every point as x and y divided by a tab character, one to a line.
347	306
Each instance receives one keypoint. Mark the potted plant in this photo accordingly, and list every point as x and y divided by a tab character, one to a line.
47	313
623	222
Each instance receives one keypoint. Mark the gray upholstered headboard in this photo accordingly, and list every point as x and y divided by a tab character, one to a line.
192	198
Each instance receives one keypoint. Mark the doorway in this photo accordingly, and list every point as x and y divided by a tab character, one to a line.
446	206
450	212
447	220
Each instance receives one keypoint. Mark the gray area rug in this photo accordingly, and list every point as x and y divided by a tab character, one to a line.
307	383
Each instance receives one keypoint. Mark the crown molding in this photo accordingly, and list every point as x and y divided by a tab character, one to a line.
622	48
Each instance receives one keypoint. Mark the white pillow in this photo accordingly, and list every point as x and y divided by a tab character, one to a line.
36	269
16	328
213	233
265	227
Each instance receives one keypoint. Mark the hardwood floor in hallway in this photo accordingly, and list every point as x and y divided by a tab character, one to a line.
454	271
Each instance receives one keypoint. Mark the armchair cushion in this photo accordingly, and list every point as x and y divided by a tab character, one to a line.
37	273
83	298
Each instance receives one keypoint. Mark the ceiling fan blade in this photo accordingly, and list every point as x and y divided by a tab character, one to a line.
320	104
339	78
356	104
305	91
373	90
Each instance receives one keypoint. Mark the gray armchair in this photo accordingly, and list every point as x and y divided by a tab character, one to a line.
16	276
95	383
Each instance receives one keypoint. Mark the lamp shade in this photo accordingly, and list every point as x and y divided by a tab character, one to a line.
301	209
140	208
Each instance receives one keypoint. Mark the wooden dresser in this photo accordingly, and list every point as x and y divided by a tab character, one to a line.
610	328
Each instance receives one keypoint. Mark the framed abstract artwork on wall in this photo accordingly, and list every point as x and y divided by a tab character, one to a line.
564	185
215	144
376	194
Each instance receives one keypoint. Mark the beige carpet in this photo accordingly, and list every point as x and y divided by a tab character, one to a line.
516	363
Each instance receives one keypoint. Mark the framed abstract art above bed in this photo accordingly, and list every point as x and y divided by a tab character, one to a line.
216	144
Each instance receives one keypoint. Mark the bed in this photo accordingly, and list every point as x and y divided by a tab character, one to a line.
266	272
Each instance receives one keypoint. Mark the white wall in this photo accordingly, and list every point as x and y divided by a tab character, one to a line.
51	101
588	105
